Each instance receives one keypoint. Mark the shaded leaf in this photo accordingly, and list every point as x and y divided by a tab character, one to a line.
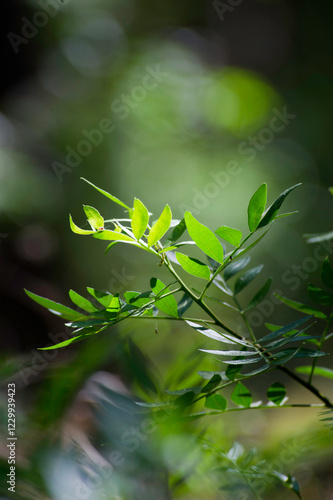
318	238
276	393
259	296
248	248
279	333
327	273
319	295
272	211
233	236
184	304
177	232
241	396
216	402
214	382
193	266
235	266
302	307
246	278
204	238
256	207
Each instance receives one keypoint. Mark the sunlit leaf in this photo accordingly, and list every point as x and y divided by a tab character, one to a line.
140	218
168	304
318	370
160	227
76	229
112	236
108	195
106	299
83	303
256	207
193	266
64	311
233	236
204	238
95	219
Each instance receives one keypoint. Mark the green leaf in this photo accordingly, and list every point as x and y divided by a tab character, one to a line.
281	357
69	341
256	207
193	266
82	302
319	370
140	218
246	278
241	396
276	393
204	238
95	219
272	211
235	266
160	227
177	232
135	300
76	229
301	307
233	236
320	296
288	328
233	370
108	195
327	273
65	312
229	353
260	295
106	299
213	382
216	402
168	304
112	236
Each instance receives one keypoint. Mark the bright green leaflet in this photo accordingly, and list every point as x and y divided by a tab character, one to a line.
168	304
82	302
233	236
76	229
204	238
193	266
256	207
66	312
140	218
216	402
160	227
108	195
95	219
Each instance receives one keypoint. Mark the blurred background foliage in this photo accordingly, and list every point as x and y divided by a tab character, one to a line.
215	82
